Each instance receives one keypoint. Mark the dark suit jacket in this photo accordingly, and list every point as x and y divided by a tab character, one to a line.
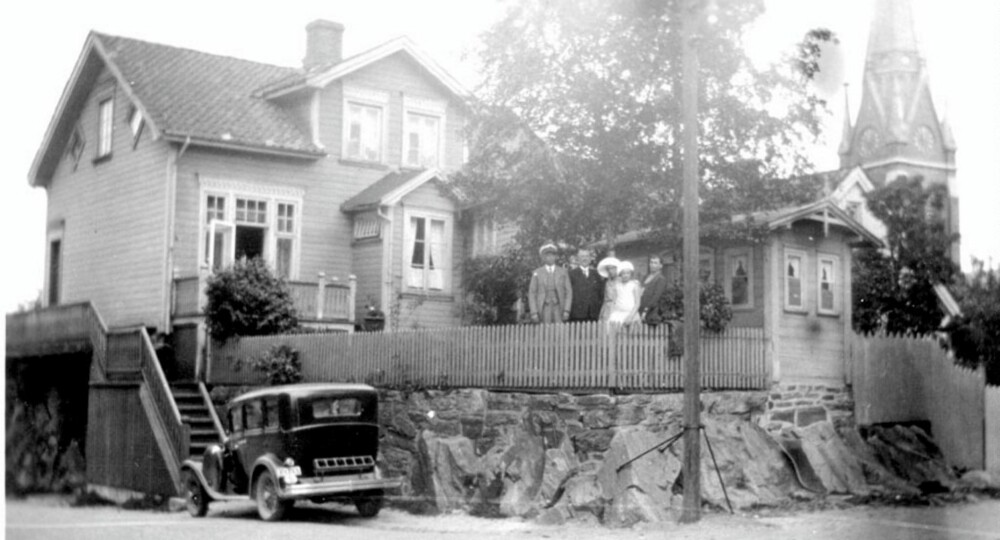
651	293
588	294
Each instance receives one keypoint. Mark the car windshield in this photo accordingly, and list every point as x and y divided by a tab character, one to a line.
336	408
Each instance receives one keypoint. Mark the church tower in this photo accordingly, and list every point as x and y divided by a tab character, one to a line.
898	131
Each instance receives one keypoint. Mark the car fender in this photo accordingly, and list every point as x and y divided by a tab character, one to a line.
271	463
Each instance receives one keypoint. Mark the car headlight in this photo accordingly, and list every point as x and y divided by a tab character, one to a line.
289	462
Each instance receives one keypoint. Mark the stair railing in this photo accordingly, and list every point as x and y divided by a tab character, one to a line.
211	411
178	433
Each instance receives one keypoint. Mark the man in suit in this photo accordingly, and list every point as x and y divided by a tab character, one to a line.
653	287
588	289
549	295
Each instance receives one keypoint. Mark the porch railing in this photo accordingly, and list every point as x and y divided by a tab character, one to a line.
63	328
568	356
323	300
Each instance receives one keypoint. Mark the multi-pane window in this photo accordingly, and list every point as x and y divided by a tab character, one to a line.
421	140
285	239
827	280
738	271
105	127
247	224
364	132
251	211
427	253
794	261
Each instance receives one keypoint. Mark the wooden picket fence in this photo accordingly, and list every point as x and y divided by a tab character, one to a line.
549	357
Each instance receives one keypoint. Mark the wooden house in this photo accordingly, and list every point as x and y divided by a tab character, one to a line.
162	165
795	284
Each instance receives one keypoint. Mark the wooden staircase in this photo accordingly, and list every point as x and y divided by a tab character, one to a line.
195	413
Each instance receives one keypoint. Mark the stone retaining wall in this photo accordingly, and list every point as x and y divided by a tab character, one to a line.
558	456
800	405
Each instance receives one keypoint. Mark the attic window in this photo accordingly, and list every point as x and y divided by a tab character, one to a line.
366	227
75	149
105	128
135	124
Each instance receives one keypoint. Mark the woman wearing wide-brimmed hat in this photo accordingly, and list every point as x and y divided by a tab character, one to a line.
608	269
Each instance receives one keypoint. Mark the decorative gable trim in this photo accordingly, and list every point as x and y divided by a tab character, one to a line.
856	177
238	186
357	62
397	194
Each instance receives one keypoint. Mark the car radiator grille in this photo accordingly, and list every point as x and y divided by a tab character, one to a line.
340	464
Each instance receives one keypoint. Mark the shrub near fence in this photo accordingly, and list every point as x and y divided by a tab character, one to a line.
560	356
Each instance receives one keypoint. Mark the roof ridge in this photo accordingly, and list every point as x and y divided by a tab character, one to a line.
196	51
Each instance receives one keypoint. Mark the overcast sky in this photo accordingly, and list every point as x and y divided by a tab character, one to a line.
42	40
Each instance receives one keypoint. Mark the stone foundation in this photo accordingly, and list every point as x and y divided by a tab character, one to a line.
800	405
557	457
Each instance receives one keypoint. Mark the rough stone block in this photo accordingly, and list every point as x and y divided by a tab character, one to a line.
592	440
783	416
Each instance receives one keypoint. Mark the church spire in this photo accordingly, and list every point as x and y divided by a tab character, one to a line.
846	131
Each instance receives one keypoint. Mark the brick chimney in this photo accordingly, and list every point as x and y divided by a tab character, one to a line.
324	43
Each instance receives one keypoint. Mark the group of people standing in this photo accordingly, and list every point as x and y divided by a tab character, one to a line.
581	293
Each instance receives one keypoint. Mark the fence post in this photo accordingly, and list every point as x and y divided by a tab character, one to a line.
320	294
352	293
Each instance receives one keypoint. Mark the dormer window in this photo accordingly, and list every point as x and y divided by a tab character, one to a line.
364	132
423	132
422	140
105	130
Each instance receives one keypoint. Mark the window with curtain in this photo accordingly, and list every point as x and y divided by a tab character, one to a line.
827	280
794	261
364	132
428	257
738	268
421	140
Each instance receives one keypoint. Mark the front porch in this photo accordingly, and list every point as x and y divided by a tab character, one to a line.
327	303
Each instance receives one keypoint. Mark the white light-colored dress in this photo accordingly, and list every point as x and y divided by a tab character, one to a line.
625	306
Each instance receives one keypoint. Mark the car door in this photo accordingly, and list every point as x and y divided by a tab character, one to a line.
235	455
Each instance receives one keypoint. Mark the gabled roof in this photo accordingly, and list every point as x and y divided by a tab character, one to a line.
854	177
320	76
824	211
391	188
184	95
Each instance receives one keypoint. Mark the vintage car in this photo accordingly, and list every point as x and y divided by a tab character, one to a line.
285	443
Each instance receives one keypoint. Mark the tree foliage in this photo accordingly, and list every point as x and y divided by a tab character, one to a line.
893	289
975	336
494	283
247	299
715	309
576	138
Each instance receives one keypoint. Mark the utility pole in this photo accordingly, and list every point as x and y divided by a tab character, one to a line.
690	20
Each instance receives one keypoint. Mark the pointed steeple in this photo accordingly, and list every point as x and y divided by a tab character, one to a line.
892	29
846	131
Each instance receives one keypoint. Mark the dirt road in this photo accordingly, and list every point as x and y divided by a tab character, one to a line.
52	518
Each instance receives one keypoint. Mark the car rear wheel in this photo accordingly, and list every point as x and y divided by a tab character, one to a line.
196	500
269	506
369	506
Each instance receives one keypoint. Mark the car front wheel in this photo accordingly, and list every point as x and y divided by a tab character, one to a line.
196	500
269	506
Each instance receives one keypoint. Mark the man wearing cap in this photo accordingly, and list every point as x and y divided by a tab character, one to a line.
549	295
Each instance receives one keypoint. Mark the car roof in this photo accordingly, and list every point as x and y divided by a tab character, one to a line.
295	391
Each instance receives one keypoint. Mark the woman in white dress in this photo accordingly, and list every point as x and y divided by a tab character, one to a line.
628	291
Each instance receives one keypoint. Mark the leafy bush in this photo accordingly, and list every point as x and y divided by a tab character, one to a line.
280	364
247	299
494	284
715	310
